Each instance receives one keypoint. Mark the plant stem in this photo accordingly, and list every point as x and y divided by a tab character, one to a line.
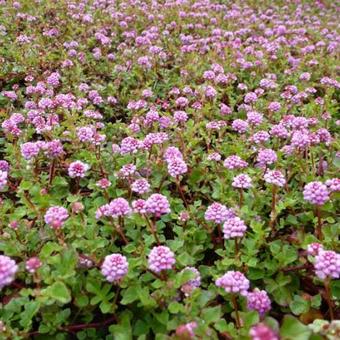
233	300
318	229
237	250
329	298
51	174
152	229
273	213
241	197
181	193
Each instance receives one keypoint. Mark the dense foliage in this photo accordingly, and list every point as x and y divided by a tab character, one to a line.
168	169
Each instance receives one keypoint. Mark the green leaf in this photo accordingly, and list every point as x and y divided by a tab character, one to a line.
299	305
58	291
129	295
211	314
293	329
26	317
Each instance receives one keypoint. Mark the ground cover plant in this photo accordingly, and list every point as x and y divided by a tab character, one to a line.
169	169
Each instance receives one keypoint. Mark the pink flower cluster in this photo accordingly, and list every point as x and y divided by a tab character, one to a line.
161	258
233	282
78	169
316	193
190	285
119	207
218	213
157	205
114	267
327	264
234	227
8	269
258	300
262	332
56	216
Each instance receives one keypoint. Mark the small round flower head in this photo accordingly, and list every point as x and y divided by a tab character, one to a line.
33	264
260	137
262	332
275	177
316	193
242	181
126	171
3	179
327	264
266	157
333	184
217	213
29	150
114	267
77	169
184	216
258	300
190	285
161	258
180	116
139	206
234	227
140	186
239	125
233	282
4	166
176	167
274	106
215	156
157	205
56	216
8	268
172	152
129	145
186	331
103	183
313	249
119	207
234	162
254	118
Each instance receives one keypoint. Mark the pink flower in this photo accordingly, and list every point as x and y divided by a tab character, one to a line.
114	267
233	282
262	332
157	205
186	331
333	184
140	186
234	227
8	268
316	193
177	167
234	162
161	258
275	177
313	249
56	216
190	285
119	207
327	264
139	206
33	264
78	169
218	213
242	181
266	157
103	183
3	179
258	300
